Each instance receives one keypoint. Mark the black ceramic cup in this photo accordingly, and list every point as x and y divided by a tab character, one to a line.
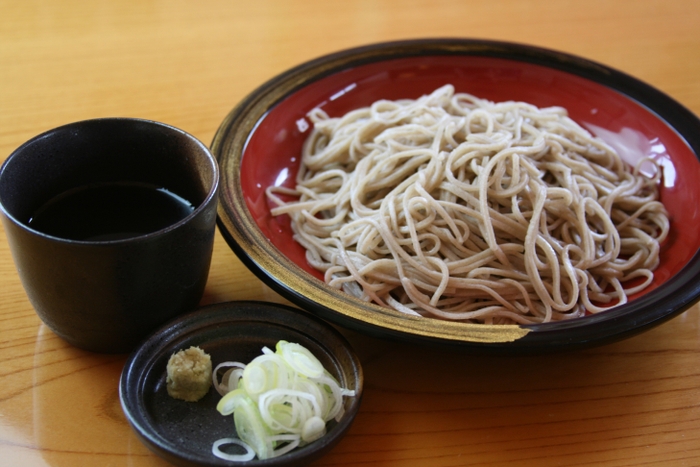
106	293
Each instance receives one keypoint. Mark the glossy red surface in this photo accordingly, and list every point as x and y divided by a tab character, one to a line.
271	156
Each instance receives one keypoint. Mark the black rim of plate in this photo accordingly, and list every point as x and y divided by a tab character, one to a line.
665	302
152	354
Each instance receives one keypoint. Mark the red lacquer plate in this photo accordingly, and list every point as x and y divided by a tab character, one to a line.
259	145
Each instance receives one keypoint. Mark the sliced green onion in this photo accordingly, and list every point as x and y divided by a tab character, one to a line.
313	429
227	405
216	450
281	399
319	394
302	404
234	377
292	442
265	372
251	428
299	358
225	386
334	395
256	379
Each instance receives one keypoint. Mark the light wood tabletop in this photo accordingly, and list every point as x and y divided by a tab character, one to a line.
632	403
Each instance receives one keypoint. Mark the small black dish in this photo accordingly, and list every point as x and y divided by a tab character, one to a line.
183	432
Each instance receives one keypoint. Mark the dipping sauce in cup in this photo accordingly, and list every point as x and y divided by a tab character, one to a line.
110	211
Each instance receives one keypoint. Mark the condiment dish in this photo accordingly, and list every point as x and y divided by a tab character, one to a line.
183	432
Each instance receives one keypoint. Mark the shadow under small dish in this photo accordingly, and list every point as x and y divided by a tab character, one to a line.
183	432
259	145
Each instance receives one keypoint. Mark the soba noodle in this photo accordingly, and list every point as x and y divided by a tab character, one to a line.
458	208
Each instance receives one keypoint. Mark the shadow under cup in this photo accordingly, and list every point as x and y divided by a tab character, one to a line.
106	296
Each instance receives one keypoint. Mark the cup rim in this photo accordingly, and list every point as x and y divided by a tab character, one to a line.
212	192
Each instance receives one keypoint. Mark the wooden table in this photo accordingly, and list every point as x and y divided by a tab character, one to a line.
633	403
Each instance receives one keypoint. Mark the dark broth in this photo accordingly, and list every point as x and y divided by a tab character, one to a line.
110	211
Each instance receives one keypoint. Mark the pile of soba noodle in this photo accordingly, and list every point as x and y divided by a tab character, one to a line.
455	207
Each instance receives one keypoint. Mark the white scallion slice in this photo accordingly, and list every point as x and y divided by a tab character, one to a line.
216	450
313	429
335	398
300	359
224	386
265	372
234	377
256	379
251	428
227	405
292	442
301	404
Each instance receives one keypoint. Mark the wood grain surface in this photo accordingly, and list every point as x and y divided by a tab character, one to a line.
186	63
